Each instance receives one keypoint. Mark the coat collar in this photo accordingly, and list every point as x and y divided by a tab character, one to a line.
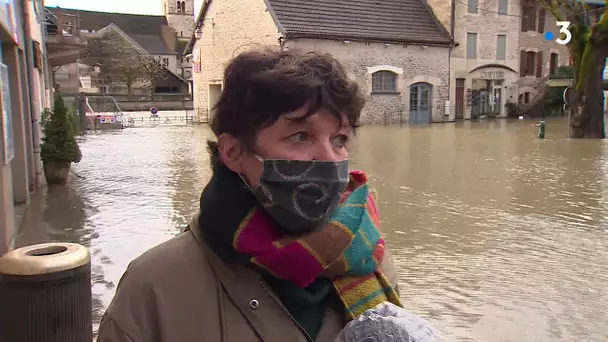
250	295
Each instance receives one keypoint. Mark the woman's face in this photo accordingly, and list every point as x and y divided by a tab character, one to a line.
319	137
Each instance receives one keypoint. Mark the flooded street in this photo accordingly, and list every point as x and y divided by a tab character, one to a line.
498	236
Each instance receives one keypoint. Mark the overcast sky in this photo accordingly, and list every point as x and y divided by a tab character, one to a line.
119	6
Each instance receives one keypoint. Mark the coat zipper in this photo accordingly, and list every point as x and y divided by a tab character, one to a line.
308	338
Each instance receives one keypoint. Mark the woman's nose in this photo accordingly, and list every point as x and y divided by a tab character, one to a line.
325	151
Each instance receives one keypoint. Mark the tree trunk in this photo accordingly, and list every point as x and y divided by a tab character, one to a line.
152	88
129	84
587	116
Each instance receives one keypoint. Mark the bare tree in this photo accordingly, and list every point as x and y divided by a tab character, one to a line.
152	71
588	50
117	58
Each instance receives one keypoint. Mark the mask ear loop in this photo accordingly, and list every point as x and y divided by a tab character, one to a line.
247	185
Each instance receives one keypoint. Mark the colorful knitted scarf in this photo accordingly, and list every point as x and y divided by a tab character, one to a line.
348	250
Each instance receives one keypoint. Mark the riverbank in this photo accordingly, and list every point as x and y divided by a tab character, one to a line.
497	235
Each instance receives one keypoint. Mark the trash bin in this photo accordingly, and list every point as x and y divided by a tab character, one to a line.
45	294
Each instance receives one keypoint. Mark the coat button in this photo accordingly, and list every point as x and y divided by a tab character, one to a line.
254	304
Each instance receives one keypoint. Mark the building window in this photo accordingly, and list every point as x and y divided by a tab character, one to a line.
472	6
528	17
526	97
541	20
166	62
503	7
471	45
554	64
530	63
384	82
181	33
501	47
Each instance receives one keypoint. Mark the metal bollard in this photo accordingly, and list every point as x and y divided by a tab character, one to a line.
45	294
541	130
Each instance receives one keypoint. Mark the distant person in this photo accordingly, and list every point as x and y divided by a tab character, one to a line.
286	245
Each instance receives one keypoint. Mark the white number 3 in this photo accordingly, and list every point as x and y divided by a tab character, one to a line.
563	29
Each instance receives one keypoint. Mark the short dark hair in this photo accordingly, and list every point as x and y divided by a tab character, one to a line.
262	85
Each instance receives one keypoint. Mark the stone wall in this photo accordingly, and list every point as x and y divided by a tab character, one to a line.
127	106
535	41
487	23
182	23
412	64
229	27
442	10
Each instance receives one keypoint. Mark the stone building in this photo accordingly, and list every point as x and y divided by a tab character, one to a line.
180	17
539	58
396	50
501	54
162	36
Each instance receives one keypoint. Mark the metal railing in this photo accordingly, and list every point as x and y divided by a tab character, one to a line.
409	116
152	120
62	24
121	97
104	104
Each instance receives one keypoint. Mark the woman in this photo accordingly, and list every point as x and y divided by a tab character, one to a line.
286	245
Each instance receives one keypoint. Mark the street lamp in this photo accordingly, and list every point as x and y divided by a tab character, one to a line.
198	33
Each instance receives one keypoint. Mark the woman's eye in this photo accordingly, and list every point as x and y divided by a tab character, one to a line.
340	140
299	137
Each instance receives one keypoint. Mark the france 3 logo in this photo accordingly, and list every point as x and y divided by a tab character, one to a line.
564	37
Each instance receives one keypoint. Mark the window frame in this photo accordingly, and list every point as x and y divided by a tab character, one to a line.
381	76
504	55
472	8
470	34
506	7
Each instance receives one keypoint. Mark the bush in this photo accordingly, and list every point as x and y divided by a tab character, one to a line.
59	143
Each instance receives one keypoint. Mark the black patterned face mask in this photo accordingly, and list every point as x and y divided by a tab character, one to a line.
301	195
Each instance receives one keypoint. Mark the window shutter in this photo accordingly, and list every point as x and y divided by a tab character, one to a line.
554	62
541	20
522	63
539	64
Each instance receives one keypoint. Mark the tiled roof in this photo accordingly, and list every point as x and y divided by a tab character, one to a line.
153	44
129	23
390	20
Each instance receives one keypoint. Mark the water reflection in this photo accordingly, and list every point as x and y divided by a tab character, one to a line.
62	214
498	235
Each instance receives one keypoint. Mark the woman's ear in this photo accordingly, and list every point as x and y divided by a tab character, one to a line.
231	151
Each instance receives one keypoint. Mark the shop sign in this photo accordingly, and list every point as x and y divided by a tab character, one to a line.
492	75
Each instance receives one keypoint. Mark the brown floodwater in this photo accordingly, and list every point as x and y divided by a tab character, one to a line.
498	236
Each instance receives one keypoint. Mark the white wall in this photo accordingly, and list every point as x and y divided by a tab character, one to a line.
172	62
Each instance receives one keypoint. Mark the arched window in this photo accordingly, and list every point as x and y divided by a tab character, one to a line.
179	7
384	81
